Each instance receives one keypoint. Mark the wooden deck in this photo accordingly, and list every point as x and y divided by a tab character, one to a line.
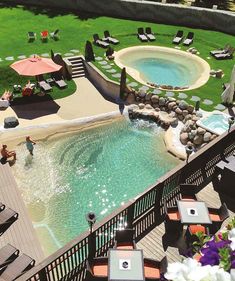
152	244
21	233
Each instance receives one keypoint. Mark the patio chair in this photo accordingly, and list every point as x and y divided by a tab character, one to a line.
154	269
31	36
99	42
7	217
97	269
188	192
124	239
54	35
44	86
217	216
109	38
18	267
191	233
44	35
141	35
178	37
8	254
189	39
172	221
227	55
221	51
149	34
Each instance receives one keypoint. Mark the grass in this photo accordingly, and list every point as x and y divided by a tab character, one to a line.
75	30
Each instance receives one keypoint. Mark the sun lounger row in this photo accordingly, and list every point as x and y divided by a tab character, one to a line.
44	35
225	53
179	37
12	265
104	42
148	35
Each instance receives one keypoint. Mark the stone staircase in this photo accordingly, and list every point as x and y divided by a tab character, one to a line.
78	69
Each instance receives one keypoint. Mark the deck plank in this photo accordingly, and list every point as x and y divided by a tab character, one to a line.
152	245
21	233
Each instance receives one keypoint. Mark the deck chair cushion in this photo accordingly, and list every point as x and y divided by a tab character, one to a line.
151	272
100	270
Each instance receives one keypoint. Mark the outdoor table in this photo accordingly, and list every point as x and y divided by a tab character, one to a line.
125	265
193	212
220	166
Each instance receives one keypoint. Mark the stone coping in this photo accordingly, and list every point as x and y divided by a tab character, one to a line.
203	72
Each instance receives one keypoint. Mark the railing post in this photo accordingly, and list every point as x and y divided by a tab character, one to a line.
130	214
91	245
42	275
157	205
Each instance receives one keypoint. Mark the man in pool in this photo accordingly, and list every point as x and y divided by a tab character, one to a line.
7	154
29	144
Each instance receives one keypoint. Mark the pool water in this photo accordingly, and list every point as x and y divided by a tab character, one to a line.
163	72
96	170
216	123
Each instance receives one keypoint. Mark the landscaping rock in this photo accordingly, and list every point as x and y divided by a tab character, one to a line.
184	138
185	112
201	131
148	106
162	101
171	105
141	105
183	105
207	137
178	111
198	140
148	96
10	122
190	108
154	99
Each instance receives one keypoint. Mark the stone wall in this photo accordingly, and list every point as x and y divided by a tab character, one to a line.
109	89
148	11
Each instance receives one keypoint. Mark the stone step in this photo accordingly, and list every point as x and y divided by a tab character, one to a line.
78	75
78	68
71	59
78	72
77	64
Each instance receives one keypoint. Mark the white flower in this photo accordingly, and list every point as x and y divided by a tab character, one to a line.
191	270
231	236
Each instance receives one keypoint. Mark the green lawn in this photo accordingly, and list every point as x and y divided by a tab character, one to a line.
75	30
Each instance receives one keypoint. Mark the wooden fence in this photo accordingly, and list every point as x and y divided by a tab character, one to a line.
143	214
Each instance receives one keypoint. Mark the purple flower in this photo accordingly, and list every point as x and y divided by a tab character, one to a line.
210	258
213	245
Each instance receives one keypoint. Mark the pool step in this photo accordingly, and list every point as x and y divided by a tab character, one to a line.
78	69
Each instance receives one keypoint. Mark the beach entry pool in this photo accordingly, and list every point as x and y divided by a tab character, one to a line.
164	66
97	169
216	122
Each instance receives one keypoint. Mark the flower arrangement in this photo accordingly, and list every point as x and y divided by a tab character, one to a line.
216	260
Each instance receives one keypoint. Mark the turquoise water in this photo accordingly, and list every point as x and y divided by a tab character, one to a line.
94	170
217	123
163	71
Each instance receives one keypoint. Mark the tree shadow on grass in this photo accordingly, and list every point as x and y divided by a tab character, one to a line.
51	12
34	107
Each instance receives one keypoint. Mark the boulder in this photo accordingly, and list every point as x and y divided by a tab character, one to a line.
149	106
213	137
154	98
130	98
132	107
171	105
180	117
141	105
174	122
195	118
190	108
142	93
198	140
10	122
183	105
148	97
188	117
170	99
178	111
184	138
207	137
172	114
162	101
185	112
201	131
157	109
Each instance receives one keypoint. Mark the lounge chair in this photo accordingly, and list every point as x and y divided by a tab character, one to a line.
31	36
44	35
125	239
221	51
8	254
189	39
141	35
99	42
59	80
54	35
224	56
18	267
149	34
109	38
7	217
45	86
178	37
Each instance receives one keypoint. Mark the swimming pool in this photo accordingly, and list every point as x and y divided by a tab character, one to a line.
216	122
163	66
93	170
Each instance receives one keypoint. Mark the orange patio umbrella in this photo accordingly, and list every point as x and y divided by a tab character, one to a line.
35	66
